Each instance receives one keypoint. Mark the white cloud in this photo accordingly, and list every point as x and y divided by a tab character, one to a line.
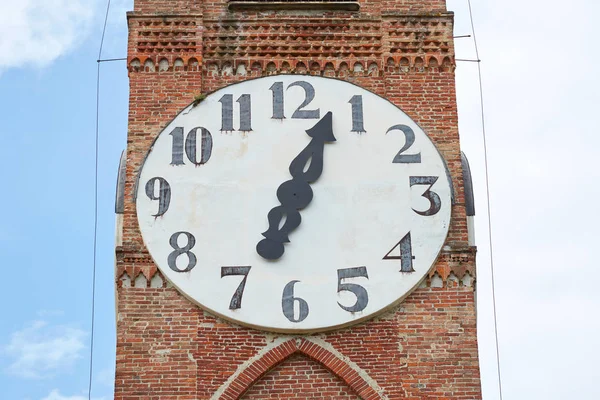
55	395
40	350
36	32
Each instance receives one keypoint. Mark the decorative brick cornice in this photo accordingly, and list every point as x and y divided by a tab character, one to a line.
394	44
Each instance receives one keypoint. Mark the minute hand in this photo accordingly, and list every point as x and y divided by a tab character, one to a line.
296	193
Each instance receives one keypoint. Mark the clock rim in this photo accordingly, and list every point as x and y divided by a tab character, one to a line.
351	323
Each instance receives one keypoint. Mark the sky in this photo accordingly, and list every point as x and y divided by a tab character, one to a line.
541	96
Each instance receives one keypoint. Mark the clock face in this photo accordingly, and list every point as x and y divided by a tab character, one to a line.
294	203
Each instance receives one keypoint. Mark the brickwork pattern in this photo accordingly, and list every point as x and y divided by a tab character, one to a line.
426	348
168	348
298	371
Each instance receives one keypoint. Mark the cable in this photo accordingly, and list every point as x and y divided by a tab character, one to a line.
96	203
112	59
487	188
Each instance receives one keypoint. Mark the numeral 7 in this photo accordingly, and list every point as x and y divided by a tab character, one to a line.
236	300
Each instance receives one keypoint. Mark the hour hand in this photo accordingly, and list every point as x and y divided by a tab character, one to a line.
296	193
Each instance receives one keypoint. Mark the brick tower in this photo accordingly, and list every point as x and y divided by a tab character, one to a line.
402	50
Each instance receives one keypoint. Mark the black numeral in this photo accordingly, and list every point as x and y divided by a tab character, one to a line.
172	259
227	112
236	300
357	114
434	200
405	248
362	297
287	304
409	135
191	147
309	95
277	89
164	194
300	113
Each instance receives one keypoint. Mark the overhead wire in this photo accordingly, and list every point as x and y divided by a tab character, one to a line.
95	246
487	188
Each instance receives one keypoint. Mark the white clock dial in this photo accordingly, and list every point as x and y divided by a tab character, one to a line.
294	203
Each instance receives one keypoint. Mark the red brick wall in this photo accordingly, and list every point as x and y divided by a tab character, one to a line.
168	348
299	377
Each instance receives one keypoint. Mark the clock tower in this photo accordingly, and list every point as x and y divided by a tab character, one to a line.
294	210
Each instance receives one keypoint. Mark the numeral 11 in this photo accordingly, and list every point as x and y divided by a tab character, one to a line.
227	112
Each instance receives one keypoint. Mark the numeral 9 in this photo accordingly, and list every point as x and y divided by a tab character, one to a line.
164	194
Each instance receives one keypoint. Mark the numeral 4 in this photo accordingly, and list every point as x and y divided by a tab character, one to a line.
404	249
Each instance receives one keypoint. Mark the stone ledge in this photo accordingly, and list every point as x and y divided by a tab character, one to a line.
239	5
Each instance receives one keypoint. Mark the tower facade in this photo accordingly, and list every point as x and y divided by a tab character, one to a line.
168	346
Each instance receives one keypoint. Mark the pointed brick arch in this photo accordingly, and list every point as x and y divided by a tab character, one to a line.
257	369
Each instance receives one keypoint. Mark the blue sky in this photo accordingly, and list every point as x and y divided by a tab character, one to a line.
542	98
47	109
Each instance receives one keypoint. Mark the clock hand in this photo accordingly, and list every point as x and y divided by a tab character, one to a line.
296	193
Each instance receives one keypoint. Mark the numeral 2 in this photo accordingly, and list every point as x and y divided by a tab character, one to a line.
409	135
236	300
191	147
300	113
245	102
405	257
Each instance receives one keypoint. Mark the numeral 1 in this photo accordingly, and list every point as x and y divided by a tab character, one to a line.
357	114
245	102
277	89
405	248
